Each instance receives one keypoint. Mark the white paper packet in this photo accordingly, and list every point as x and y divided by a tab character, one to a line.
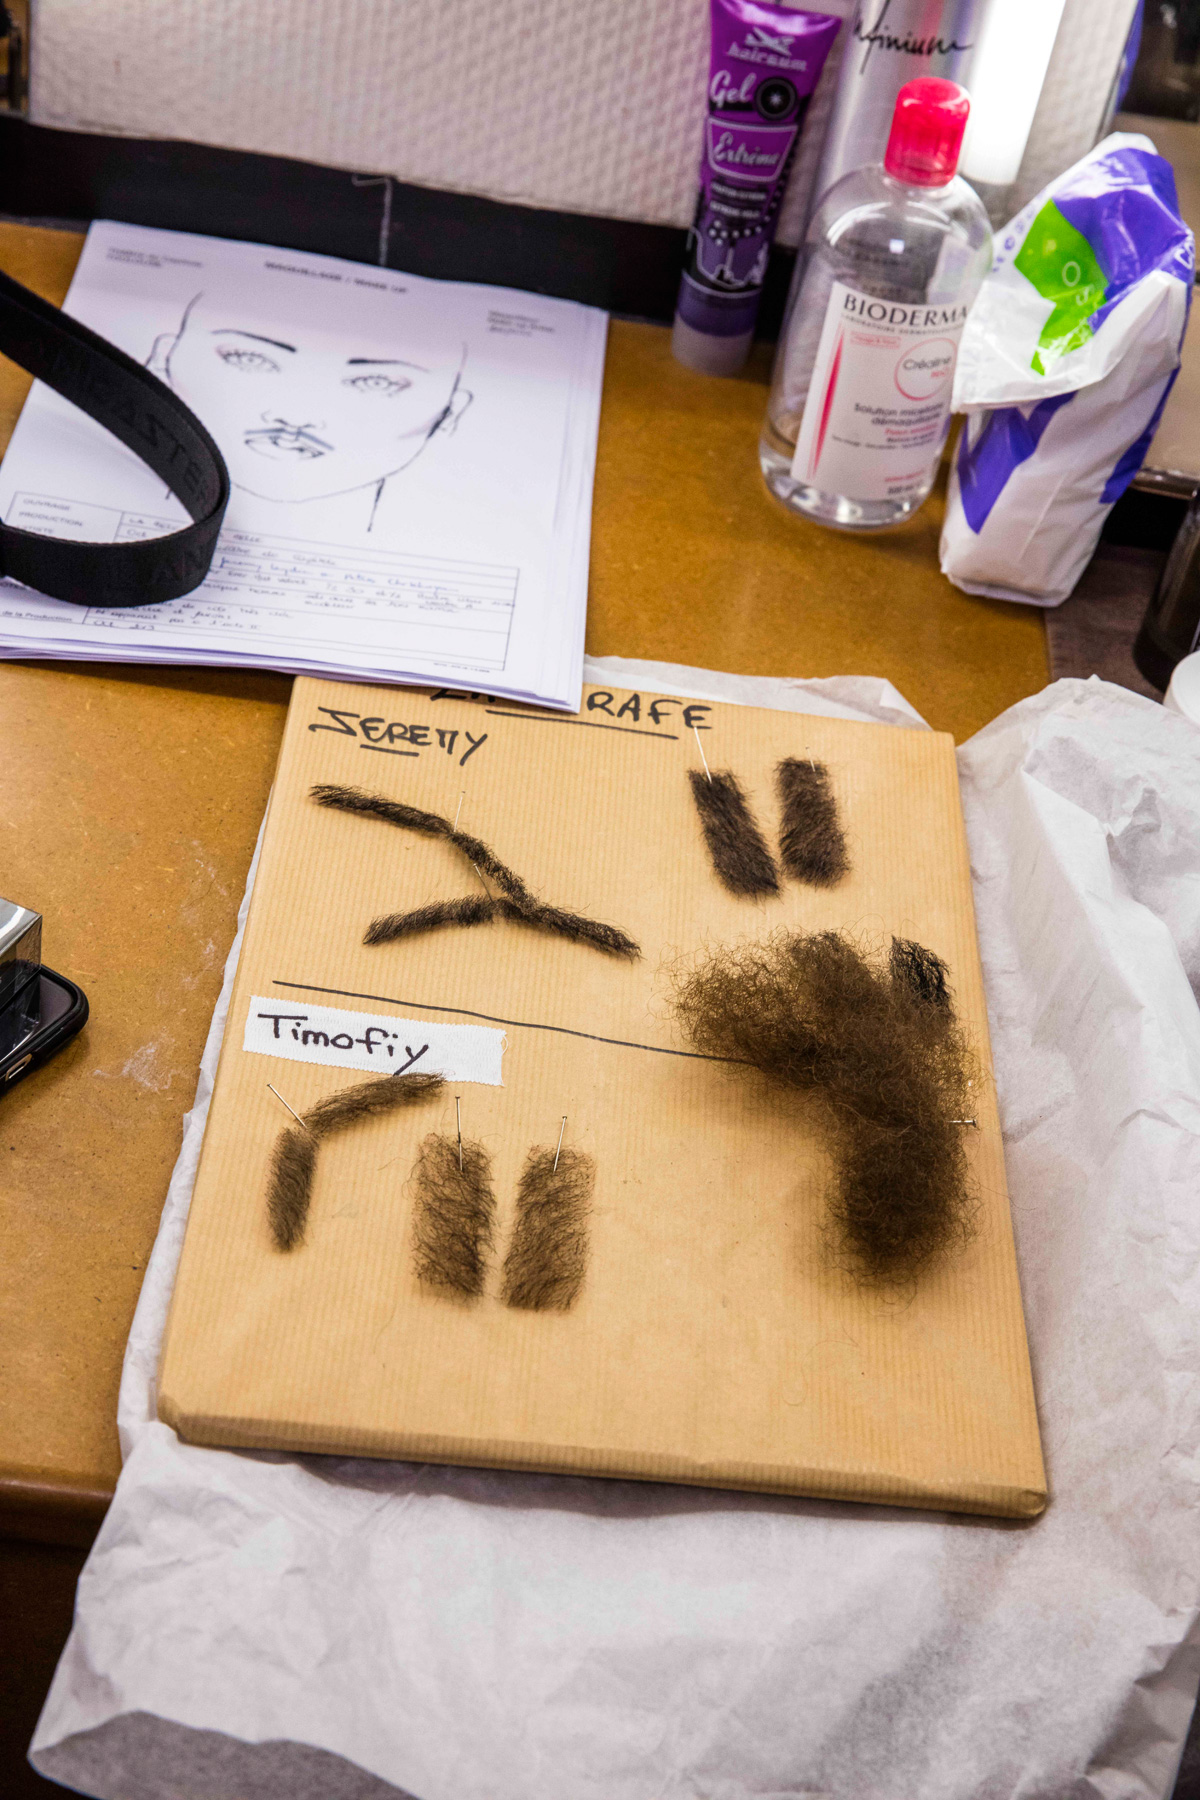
1065	365
277	1626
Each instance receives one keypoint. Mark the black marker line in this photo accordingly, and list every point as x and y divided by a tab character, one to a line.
592	725
525	1024
384	750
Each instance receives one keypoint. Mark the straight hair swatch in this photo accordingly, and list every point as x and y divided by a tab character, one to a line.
547	1257
735	844
811	844
454	1220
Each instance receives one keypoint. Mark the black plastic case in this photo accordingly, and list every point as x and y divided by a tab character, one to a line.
64	1012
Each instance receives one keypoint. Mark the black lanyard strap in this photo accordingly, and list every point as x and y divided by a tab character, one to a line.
151	421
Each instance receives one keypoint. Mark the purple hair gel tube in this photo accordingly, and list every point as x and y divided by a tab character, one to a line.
766	61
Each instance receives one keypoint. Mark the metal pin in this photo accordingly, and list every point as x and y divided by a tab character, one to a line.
703	758
561	1129
483	884
461	798
291	1109
974	1122
458	1116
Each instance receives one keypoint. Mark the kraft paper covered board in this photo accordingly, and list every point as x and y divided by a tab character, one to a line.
715	1340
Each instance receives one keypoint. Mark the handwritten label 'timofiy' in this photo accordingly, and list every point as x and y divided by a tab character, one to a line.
376	1042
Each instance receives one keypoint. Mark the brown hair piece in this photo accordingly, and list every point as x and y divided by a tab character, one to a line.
476	910
736	845
811	844
294	1160
888	1068
547	1258
920	971
518	903
452	1227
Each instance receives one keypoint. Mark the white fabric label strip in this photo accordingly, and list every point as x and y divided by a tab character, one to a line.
377	1042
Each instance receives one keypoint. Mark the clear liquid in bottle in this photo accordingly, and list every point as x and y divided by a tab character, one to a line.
892	260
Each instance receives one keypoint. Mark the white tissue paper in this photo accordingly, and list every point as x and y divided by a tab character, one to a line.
259	1625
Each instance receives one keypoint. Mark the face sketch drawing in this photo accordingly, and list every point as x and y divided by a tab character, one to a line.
299	418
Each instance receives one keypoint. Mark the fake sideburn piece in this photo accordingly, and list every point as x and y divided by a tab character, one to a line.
514	902
547	1257
294	1161
881	1052
454	1218
812	847
735	844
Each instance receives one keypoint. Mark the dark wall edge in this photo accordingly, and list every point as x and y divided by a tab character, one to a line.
625	267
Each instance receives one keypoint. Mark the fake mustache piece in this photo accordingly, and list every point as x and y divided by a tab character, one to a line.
294	1161
880	1051
515	902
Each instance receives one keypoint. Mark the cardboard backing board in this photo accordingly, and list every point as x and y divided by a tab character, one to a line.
715	1341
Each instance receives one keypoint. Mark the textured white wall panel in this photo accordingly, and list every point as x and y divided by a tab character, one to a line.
1071	113
589	108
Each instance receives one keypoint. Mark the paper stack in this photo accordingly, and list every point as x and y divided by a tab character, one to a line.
411	460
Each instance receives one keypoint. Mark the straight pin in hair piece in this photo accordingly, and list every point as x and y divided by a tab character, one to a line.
700	748
454	1216
458	1117
812	846
558	1146
547	1257
283	1102
735	844
458	814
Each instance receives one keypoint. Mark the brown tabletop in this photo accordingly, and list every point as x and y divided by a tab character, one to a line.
132	801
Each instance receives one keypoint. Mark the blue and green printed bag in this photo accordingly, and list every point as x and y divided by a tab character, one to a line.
1066	363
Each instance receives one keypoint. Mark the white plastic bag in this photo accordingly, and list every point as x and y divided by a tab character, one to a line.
1065	366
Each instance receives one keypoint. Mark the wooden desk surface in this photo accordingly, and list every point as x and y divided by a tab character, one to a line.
132	801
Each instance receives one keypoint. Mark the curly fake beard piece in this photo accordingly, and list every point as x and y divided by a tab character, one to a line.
882	1054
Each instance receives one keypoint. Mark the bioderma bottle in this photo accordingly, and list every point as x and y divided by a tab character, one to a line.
891	262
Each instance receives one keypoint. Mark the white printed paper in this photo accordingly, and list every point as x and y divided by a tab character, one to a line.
411	465
377	1042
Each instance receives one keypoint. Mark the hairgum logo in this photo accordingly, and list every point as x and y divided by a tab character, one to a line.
758	39
759	46
877	37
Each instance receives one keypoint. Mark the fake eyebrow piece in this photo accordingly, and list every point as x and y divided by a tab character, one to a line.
515	902
294	1162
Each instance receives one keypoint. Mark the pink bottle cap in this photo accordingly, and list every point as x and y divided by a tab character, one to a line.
927	132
